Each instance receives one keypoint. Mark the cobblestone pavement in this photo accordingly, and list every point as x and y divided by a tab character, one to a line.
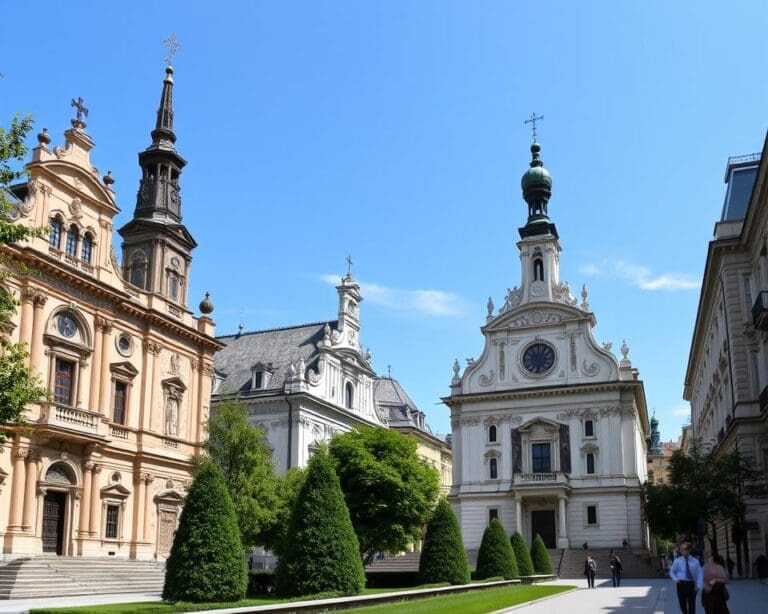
641	597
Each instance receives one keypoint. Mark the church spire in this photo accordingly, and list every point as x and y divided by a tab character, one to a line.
536	183
164	125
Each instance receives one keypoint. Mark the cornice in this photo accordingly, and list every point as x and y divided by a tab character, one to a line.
548	391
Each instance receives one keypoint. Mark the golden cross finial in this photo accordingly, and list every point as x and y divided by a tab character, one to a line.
173	46
532	120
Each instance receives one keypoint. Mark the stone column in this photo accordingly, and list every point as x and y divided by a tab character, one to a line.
85	503
27	315
519	515
36	341
562	537
104	378
138	506
195	417
93	397
17	487
94	523
150	377
30	494
80	383
148	479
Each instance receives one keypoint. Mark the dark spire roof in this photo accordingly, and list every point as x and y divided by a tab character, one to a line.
164	125
536	183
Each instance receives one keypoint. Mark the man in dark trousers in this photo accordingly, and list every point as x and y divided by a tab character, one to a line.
688	577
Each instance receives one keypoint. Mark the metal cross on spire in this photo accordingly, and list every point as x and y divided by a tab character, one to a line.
532	120
349	265
82	112
173	46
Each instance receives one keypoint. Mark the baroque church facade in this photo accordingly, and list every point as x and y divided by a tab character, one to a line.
102	466
549	428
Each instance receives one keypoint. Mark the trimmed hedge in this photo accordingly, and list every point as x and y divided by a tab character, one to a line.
524	561
443	558
496	557
206	561
540	557
322	553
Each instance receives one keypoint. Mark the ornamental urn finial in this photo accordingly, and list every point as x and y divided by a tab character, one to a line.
44	138
206	305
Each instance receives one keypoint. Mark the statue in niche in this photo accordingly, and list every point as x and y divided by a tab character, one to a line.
565	448
174	364
172	416
517	451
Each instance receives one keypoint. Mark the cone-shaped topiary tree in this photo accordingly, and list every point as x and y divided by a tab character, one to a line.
540	557
523	557
206	561
443	558
496	557
321	552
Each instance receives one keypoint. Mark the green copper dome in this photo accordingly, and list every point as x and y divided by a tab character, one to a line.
537	187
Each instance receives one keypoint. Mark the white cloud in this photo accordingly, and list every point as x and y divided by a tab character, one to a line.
436	303
642	276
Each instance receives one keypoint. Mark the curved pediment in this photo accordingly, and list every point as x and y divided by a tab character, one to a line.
533	315
81	181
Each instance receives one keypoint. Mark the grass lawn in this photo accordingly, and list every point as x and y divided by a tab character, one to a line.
476	602
480	601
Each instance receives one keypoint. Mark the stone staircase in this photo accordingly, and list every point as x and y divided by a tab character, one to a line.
570	563
60	576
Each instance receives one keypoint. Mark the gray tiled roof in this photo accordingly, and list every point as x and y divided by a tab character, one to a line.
390	396
279	346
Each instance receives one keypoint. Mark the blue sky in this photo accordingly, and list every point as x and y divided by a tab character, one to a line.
393	131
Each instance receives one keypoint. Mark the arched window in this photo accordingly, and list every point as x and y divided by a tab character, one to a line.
72	237
349	395
538	270
54	237
138	276
492	433
173	286
493	467
590	463
87	249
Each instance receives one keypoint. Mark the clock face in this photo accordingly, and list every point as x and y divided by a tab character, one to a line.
67	326
538	358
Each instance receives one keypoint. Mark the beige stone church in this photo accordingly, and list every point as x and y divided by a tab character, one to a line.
101	468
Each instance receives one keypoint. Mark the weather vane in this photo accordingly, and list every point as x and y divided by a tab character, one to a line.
349	265
82	112
532	120
173	46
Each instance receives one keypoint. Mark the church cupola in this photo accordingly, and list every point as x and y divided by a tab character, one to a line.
349	308
157	247
537	190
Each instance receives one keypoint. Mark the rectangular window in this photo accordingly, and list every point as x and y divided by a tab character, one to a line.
541	458
62	392
118	411
493	513
113	514
494	469
589	428
592	514
258	379
590	463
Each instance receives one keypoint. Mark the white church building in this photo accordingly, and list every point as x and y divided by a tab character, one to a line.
549	428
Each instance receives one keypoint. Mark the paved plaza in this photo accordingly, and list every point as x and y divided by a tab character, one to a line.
640	597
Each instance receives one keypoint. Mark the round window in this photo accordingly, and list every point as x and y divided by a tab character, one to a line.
124	344
538	358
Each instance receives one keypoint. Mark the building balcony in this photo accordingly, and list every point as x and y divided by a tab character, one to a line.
72	419
760	311
557	478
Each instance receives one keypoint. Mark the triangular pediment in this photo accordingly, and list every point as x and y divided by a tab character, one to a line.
115	491
174	383
547	425
81	182
126	369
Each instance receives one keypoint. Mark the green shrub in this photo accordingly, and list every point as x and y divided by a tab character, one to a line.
523	557
443	558
496	557
540	557
206	561
322	552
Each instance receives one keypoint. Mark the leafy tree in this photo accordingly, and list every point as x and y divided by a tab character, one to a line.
443	558
496	557
18	385
245	459
321	550
540	556
206	561
389	489
523	557
287	491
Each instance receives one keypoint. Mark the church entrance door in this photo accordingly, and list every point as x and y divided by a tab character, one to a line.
543	523
53	522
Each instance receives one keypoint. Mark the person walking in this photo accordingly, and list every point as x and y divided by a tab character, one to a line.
687	575
590	570
761	563
616	569
714	596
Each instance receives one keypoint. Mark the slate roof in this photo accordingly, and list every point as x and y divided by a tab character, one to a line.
390	396
279	346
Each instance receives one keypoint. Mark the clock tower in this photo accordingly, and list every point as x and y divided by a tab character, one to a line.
549	427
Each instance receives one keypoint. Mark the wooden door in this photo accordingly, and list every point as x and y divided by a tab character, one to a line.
53	522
